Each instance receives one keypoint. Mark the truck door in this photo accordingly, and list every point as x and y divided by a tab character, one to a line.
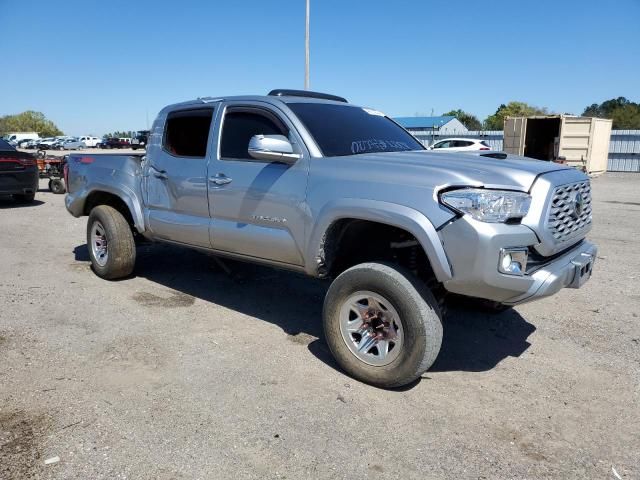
175	178
257	207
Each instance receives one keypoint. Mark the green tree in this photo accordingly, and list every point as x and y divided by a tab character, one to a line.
624	113
119	134
467	119
29	121
512	109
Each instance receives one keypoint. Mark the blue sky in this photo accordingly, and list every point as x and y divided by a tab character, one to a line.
94	67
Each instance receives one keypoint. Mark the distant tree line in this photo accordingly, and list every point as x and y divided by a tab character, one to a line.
117	134
624	113
29	121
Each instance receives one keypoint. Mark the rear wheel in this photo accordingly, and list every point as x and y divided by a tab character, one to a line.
56	185
382	324
111	244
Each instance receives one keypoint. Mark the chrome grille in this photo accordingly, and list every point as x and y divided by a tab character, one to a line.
566	218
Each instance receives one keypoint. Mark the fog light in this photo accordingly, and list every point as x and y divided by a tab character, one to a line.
506	262
513	261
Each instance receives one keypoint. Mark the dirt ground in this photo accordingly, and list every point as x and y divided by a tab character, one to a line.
186	371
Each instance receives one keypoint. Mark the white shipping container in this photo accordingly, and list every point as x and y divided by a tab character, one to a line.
582	142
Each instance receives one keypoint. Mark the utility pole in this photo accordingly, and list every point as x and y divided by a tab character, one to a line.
306	51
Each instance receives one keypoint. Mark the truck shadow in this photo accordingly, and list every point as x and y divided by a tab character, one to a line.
7	201
474	340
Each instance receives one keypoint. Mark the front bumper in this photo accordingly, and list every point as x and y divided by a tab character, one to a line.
473	249
571	270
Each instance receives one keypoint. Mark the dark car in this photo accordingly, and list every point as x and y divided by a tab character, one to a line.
18	173
114	143
141	139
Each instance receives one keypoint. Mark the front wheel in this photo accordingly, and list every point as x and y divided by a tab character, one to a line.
383	326
112	249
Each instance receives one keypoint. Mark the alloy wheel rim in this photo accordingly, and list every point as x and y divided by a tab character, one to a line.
371	328
99	245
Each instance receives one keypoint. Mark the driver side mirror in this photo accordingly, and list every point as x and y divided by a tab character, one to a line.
272	148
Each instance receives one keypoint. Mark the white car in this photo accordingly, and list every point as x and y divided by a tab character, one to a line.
47	143
90	142
460	145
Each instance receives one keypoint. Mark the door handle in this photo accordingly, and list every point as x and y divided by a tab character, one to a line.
159	173
220	179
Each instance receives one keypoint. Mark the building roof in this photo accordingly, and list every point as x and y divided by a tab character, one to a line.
424	122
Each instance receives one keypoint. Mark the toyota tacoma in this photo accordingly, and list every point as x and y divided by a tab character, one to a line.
308	182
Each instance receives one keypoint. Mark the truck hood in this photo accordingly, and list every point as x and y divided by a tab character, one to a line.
447	169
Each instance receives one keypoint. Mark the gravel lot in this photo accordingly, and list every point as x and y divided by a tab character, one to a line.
187	371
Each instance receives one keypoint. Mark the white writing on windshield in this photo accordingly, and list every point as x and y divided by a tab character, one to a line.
377	145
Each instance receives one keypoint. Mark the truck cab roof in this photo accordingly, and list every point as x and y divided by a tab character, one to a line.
274	97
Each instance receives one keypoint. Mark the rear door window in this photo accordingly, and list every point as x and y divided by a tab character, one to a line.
186	132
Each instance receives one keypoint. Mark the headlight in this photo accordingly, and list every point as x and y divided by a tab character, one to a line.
495	206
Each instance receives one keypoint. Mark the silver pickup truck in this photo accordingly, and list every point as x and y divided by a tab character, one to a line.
308	182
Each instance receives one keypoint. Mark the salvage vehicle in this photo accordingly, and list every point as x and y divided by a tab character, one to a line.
18	173
308	182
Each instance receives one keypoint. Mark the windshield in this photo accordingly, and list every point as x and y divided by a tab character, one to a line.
341	130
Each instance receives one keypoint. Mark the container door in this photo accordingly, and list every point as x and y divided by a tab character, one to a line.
575	140
515	129
601	137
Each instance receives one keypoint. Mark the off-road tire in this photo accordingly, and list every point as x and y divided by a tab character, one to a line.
121	257
419	313
56	185
25	197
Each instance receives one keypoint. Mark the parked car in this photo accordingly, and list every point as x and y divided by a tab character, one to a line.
113	142
23	143
47	143
333	190
18	173
72	144
89	141
32	144
460	145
